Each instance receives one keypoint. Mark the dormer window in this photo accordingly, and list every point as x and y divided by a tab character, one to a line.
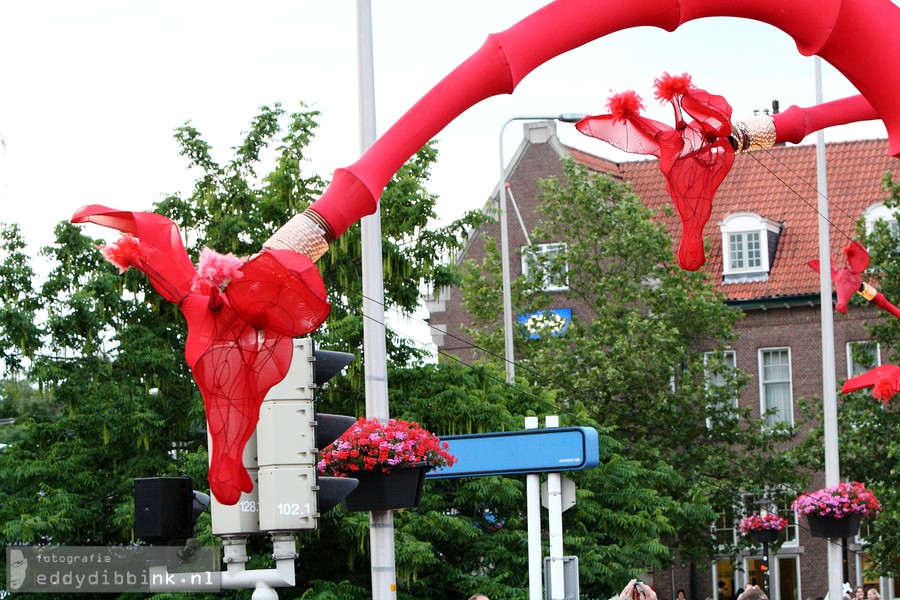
749	243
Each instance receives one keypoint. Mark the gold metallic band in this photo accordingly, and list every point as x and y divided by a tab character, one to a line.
754	133
867	292
307	233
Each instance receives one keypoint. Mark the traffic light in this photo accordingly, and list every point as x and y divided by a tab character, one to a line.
166	508
292	496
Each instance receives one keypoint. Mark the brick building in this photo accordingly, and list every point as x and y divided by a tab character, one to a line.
762	232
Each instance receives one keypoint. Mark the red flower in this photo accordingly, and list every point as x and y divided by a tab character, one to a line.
374	446
758	522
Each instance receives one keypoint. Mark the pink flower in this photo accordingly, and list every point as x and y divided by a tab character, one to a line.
838	501
758	522
373	446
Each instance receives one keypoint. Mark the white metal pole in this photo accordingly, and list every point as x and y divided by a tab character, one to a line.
829	382
533	497
381	523
554	511
508	349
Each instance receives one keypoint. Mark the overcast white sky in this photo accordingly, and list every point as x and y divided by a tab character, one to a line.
91	91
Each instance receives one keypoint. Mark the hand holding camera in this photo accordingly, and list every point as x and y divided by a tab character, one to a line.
637	590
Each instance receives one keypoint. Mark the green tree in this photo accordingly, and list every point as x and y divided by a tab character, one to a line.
638	362
96	343
471	534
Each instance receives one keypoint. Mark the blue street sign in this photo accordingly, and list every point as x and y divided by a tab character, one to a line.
550	450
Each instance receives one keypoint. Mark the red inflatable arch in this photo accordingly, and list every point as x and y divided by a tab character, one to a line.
857	37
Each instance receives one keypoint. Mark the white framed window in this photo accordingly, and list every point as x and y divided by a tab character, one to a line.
775	385
748	241
725	530
716	376
717	366
879	212
744	252
862	356
547	262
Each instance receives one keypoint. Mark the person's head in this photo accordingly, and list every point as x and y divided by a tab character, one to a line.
859	593
753	592
680	594
873	594
478	597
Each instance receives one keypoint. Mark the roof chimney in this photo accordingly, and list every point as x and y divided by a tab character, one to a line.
539	132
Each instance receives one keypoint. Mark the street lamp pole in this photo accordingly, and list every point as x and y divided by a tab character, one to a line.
508	350
532	481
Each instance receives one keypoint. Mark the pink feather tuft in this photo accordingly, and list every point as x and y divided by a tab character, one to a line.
124	252
215	270
623	105
669	86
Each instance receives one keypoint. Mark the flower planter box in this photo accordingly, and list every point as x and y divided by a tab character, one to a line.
767	536
829	527
399	488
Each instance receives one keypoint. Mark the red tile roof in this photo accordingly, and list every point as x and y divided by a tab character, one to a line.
777	184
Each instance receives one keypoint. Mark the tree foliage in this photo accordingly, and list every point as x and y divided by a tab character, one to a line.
470	534
636	361
107	351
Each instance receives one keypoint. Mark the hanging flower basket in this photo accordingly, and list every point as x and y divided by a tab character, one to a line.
829	527
763	528
389	460
396	489
837	510
764	536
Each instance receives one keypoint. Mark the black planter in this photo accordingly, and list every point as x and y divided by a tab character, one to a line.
764	535
399	488
829	527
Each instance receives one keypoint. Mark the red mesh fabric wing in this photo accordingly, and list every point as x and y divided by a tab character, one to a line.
694	158
280	291
234	361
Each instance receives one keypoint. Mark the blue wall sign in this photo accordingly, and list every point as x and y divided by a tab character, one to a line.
550	450
554	321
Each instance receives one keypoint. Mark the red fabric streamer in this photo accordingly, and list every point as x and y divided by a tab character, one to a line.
848	280
884	381
694	157
239	342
